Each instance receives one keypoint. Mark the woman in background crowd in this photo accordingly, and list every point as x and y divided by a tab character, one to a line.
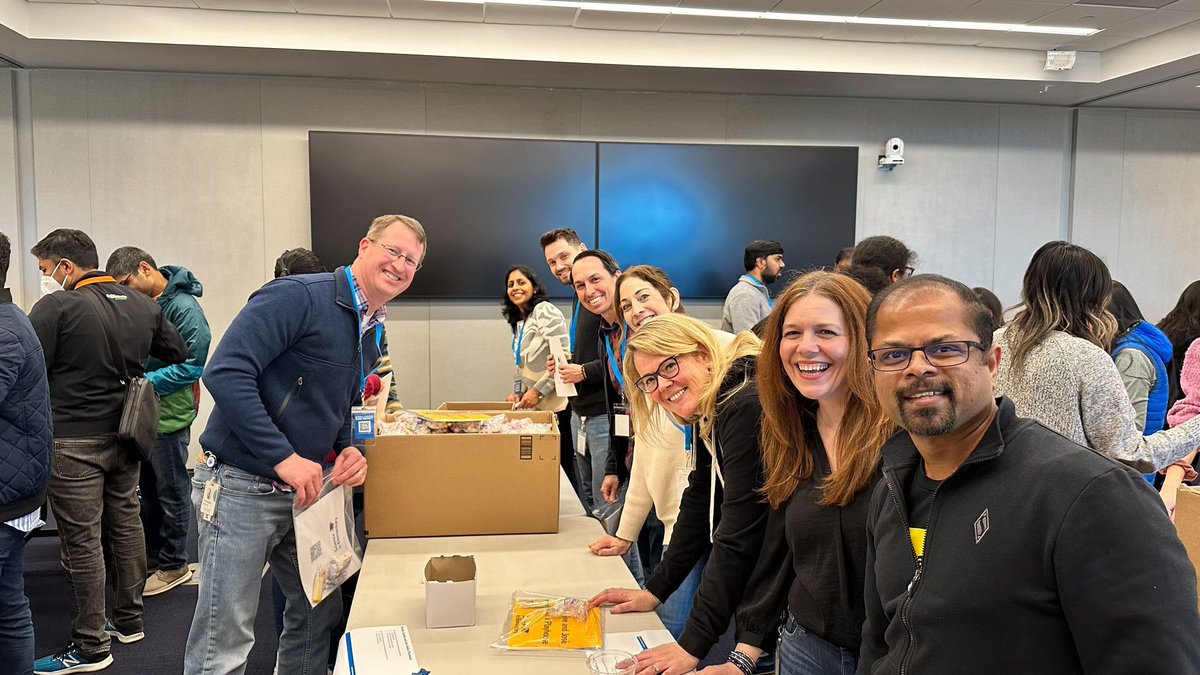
534	321
1182	326
680	364
1142	354
298	261
1057	369
880	261
823	429
988	299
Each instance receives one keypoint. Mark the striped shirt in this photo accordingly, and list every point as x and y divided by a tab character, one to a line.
27	523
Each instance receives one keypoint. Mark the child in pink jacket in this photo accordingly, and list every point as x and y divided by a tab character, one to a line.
1184	409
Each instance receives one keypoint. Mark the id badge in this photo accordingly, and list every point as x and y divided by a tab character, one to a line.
208	505
363	422
621	421
581	438
518	386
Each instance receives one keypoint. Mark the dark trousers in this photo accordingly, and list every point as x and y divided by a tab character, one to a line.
166	491
566	452
92	494
16	622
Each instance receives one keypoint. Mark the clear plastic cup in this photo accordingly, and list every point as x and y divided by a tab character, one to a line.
611	662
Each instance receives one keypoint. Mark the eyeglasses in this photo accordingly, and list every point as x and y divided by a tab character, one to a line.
667	369
411	263
939	355
124	281
907	272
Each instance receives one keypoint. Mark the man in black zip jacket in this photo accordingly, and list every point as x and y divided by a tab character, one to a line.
995	545
85	322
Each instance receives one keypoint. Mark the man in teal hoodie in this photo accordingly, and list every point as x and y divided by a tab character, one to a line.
165	485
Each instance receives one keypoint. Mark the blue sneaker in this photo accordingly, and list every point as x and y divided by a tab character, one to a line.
71	660
124	637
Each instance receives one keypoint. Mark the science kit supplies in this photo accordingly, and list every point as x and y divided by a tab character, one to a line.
327	548
550	623
422	422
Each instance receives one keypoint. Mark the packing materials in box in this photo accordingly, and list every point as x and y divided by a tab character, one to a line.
450	591
435	485
1187	522
475	405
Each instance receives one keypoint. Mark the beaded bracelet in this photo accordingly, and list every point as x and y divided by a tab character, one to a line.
741	662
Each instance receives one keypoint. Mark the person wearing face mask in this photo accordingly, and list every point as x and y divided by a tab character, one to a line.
534	321
93	332
678	363
823	428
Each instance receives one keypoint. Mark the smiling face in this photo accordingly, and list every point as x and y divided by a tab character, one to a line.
923	399
679	394
641	301
519	289
595	286
559	256
813	348
381	274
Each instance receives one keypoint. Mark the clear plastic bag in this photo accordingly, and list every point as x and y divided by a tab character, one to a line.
550	623
327	549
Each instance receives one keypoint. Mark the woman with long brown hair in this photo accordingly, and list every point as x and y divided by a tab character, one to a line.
822	430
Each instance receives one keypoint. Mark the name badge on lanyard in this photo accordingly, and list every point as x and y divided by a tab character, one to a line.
621	410
364	423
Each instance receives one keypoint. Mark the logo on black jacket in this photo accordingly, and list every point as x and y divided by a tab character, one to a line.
982	523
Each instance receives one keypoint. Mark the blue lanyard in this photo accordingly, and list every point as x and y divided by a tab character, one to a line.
518	338
617	370
687	436
756	282
574	320
362	369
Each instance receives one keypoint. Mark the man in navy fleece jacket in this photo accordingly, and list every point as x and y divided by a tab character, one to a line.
283	380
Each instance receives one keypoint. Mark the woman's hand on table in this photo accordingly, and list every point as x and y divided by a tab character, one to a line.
610	545
626	600
668	659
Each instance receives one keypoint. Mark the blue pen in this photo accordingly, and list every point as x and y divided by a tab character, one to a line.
350	655
642	643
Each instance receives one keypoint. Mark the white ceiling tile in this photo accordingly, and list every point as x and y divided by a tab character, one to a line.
529	16
917	9
665	3
618	20
436	11
1153	23
1076	16
1027	41
67	2
343	7
951	36
150	3
1006	11
709	25
800	29
870	33
1098	43
249	5
739	5
1184	6
835	7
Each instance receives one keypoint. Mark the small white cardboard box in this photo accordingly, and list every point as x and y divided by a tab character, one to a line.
450	591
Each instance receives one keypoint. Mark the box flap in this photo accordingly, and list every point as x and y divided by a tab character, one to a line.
457	568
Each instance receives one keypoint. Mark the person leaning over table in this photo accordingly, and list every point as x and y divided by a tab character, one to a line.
678	362
823	429
534	321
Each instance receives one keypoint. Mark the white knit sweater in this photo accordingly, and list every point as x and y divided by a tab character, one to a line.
1072	386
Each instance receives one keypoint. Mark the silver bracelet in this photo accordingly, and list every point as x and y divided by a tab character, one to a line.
742	662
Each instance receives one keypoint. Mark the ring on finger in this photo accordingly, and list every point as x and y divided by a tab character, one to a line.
655	667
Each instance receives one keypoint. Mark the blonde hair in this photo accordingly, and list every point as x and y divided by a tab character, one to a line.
381	224
681	335
787	456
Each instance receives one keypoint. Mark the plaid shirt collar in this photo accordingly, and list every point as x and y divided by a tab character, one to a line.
367	319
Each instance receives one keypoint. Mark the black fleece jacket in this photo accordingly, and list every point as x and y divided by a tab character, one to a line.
739	516
589	396
1041	556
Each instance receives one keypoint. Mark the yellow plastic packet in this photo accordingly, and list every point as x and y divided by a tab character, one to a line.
539	622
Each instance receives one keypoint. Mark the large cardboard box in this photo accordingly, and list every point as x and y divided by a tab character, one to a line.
475	405
1187	522
450	591
463	484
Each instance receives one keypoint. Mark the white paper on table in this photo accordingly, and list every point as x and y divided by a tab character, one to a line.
628	642
384	650
325	544
560	359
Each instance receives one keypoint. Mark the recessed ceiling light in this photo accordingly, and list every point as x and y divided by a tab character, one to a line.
788	16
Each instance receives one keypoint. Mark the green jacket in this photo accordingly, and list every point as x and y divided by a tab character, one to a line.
176	384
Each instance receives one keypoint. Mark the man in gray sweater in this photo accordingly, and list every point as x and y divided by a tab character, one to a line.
749	301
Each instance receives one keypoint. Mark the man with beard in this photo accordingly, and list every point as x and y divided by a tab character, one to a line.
749	301
995	545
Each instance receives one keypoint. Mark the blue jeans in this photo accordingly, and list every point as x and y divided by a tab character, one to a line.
675	610
92	493
803	653
252	526
591	464
16	622
167	500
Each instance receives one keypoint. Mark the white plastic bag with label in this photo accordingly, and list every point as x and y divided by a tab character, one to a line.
327	548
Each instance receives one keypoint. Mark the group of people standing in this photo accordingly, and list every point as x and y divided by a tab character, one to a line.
883	479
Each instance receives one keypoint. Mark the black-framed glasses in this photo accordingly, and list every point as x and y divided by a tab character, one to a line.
938	354
411	263
667	369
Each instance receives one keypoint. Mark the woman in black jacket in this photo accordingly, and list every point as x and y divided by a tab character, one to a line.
678	363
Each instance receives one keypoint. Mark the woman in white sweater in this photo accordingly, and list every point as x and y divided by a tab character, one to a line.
662	455
1056	368
535	322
